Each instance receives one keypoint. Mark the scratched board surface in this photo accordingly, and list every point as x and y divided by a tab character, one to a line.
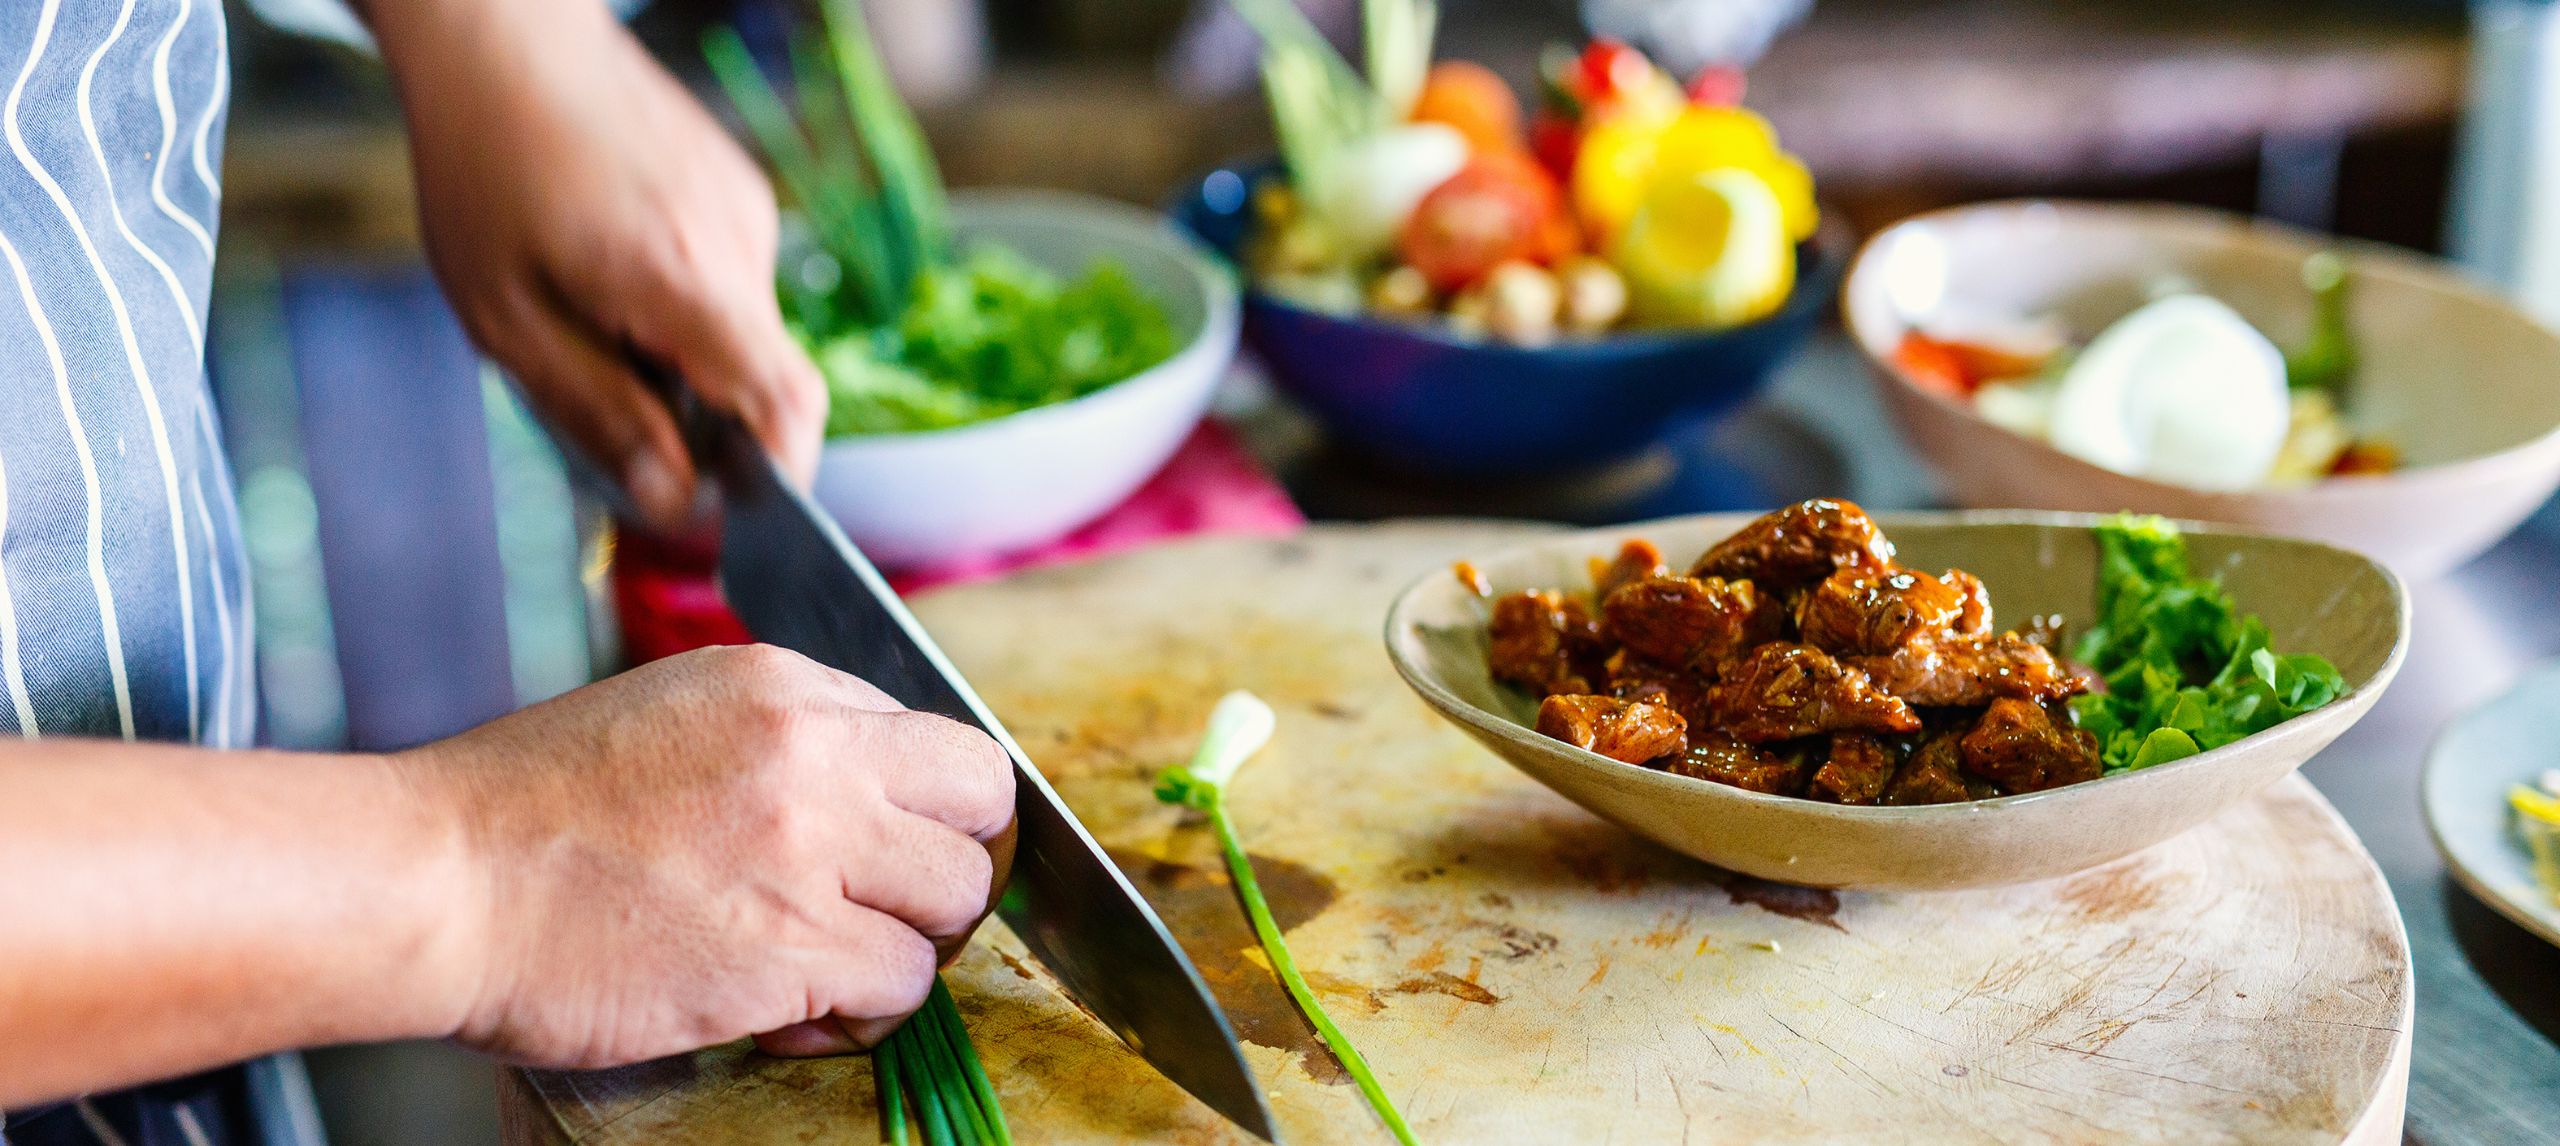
1518	970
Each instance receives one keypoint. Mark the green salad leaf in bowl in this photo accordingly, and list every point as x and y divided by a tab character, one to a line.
913	329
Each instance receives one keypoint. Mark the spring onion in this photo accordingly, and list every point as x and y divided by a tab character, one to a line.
911	333
1238	727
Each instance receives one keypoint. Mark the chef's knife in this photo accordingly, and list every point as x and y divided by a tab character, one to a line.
799	583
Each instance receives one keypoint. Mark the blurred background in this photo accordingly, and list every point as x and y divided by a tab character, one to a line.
423	563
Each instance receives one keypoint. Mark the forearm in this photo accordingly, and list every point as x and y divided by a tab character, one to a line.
425	41
166	909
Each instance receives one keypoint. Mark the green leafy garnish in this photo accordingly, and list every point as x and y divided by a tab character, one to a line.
2186	671
1238	727
2327	359
910	333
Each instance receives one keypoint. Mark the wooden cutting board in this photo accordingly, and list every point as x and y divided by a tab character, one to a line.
1518	970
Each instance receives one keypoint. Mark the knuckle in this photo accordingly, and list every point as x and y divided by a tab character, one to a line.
962	893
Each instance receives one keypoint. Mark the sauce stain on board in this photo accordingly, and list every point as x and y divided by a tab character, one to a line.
1806	904
1199	906
1444	983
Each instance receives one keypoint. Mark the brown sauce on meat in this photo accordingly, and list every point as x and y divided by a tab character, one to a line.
1797	658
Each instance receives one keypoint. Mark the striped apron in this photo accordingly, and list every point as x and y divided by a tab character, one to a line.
124	605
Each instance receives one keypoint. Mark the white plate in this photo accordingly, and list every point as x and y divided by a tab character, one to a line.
2480	756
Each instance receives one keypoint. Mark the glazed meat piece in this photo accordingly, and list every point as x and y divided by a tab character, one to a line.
1798	546
1780	692
1632	677
1872	612
1856	772
1545	642
1629	730
1725	760
1685	620
1636	560
1972	672
1929	777
2022	747
1973	611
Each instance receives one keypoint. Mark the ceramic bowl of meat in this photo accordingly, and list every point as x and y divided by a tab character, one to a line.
1419	398
2461	383
2313	597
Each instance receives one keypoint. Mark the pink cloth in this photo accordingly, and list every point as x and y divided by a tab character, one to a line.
668	602
1210	486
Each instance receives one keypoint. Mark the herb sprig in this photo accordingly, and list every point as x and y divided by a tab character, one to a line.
1238	727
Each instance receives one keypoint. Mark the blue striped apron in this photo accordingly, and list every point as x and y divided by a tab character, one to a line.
124	605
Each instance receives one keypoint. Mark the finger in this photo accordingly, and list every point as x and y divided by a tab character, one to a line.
922	873
882	971
748	363
943	770
821	1037
591	395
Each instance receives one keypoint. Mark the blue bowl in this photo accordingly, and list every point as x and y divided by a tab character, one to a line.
1420	398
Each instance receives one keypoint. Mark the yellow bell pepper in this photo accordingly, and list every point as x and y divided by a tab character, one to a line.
2538	821
1624	156
1709	249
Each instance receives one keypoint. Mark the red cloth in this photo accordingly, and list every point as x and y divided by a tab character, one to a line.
667	600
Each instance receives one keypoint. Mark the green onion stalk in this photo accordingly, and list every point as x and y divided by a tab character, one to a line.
930	1069
1238	727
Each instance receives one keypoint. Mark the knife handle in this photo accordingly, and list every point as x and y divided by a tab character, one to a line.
717	441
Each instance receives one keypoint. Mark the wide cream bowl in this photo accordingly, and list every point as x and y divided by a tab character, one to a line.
2463	383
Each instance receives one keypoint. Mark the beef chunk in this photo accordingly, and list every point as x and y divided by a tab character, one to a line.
1725	760
1856	772
1966	673
1781	692
1684	690
1629	730
1928	777
1798	546
2024	747
1685	620
1636	560
1868	612
1545	642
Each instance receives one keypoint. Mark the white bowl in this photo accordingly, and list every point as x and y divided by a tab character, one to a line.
2464	383
1020	480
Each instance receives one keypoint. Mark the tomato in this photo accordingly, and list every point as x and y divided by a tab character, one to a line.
1555	139
1501	207
1717	86
1610	69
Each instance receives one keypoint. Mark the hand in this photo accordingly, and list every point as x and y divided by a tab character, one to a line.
730	842
580	206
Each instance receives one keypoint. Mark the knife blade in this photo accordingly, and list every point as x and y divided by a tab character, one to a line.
797	582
